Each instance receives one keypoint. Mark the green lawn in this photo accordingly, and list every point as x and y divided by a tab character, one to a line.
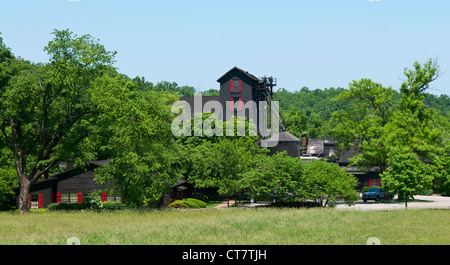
228	226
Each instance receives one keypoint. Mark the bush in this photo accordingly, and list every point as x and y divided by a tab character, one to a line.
67	206
290	181
187	203
178	204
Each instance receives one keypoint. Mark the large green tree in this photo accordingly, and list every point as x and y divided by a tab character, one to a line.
407	175
382	129
326	183
208	160
135	130
278	177
45	107
364	123
221	164
288	180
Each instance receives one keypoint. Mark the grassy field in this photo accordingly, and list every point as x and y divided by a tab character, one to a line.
228	226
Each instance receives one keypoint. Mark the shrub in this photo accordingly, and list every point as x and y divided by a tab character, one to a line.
290	181
195	203
90	205
178	204
67	206
187	203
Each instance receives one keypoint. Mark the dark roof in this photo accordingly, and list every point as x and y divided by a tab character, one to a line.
238	69
190	101
281	137
285	136
97	163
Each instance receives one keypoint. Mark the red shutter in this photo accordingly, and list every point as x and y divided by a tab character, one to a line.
370	182
58	197
29	201
231	104
41	201
378	183
240	86
240	99
231	85
103	196
80	197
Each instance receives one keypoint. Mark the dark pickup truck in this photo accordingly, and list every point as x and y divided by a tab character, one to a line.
376	194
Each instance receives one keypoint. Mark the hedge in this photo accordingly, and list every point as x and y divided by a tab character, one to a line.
108	205
187	203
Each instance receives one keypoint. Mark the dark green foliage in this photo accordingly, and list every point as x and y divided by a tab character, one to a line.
407	176
65	206
441	170
187	203
163	86
211	92
326	183
311	110
92	205
290	181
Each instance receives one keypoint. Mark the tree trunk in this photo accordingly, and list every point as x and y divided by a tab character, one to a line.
23	197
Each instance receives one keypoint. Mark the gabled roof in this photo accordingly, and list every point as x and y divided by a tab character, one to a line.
281	137
238	69
67	172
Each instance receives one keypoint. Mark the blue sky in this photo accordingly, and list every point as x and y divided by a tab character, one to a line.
318	44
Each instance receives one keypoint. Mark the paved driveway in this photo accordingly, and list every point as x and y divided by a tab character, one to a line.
427	202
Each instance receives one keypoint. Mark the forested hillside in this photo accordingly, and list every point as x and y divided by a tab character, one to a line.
311	110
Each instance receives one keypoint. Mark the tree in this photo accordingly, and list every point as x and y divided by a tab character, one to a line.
289	180
220	164
417	82
45	107
326	183
277	177
364	123
7	179
381	129
296	122
407	175
136	127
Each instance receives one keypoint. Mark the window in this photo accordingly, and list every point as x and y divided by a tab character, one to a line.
374	182
233	106
113	198
69	197
235	86
34	201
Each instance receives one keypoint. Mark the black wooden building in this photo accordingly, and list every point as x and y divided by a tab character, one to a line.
71	185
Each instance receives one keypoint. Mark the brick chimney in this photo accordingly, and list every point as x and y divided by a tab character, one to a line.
304	143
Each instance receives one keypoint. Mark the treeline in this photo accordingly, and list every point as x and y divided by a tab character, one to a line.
312	110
